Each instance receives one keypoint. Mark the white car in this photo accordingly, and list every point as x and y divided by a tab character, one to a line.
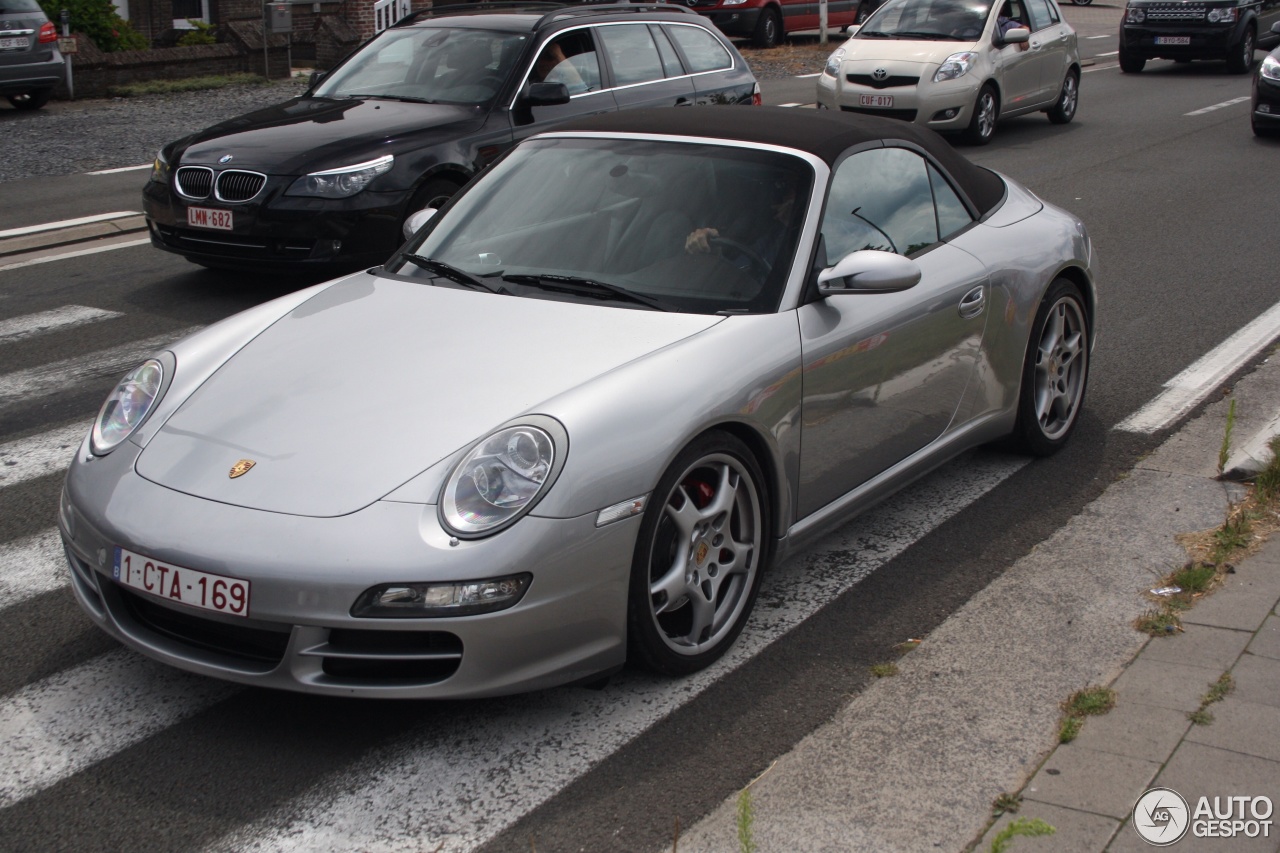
957	66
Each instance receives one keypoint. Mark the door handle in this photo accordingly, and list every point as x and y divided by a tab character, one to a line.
973	302
683	102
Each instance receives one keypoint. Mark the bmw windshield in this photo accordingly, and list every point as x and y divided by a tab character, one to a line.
428	64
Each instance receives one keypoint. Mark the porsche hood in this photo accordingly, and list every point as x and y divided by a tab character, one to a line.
374	380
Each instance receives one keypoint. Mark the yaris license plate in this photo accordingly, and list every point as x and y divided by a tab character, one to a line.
1184	40
208	217
206	591
885	101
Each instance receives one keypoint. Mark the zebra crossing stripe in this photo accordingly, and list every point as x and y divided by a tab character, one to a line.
46	453
66	317
31	566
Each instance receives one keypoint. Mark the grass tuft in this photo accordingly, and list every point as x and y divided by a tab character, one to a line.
884	670
1006	803
1200	717
745	818
1224	452
1069	729
1090	701
1026	828
1194	577
1159	623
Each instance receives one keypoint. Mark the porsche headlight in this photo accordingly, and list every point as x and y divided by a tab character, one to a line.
343	182
498	481
955	65
126	407
1271	68
832	68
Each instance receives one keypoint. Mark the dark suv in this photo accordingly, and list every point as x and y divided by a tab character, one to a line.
328	179
1184	30
30	64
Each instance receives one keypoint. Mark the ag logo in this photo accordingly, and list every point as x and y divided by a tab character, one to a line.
1161	816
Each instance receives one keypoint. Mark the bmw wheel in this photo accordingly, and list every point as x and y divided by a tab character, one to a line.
699	557
1065	109
1056	371
986	109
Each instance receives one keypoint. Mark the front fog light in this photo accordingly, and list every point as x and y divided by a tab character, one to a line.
426	600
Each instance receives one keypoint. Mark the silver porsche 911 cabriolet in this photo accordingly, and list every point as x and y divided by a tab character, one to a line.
573	421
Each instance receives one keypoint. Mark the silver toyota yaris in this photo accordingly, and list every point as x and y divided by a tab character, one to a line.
573	421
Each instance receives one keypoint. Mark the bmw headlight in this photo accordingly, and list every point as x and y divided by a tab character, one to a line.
1134	15
832	68
126	407
1222	16
955	65
343	182
1271	68
501	479
160	168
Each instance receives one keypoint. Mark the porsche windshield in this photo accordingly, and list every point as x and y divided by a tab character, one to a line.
928	20
432	65
691	227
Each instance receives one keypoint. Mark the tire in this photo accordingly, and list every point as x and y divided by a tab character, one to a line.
703	545
1240	57
1068	99
768	32
1131	64
1081	2
1055	373
32	100
986	112
864	12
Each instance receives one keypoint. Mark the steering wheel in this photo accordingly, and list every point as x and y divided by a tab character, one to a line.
757	261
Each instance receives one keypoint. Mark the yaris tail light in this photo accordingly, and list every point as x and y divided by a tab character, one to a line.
47	33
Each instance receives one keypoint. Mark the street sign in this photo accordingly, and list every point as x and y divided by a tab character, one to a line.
68	45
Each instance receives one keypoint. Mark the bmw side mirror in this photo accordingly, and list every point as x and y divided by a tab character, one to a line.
314	79
869	271
1017	35
546	94
1275	28
414	223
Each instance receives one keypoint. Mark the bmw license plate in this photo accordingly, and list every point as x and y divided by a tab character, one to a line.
218	593
14	44
885	101
208	217
1173	40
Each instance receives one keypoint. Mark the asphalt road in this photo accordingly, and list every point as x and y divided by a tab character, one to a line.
99	750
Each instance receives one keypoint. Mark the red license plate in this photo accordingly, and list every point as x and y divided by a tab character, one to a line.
218	593
208	217
885	101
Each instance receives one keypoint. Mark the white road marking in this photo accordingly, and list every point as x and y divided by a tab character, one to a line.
66	317
1098	68
808	76
1220	106
58	376
791	105
121	169
1090	38
1112	53
458	781
59	726
32	566
39	455
1186	390
129	244
67	223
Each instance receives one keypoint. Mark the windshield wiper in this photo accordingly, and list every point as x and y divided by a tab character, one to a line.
585	287
927	35
876	34
453	274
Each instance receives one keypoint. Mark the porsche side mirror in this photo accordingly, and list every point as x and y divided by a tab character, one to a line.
869	271
416	220
1017	35
314	79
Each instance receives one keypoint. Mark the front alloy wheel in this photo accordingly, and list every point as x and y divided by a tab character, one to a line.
1065	109
986	109
699	557
1056	371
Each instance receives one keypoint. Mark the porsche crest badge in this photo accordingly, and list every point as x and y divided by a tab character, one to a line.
241	468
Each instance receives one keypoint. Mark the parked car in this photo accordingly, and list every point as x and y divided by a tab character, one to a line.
1218	29
578	415
327	179
957	66
30	62
1264	113
768	22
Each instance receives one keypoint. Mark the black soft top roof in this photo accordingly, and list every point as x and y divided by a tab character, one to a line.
823	133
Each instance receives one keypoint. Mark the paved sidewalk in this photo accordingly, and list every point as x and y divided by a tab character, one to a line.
915	761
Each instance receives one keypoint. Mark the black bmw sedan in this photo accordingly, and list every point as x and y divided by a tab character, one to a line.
1264	113
326	180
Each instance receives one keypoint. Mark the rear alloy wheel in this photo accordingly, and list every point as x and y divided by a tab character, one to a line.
768	31
32	100
982	125
1131	64
1055	373
1065	109
699	557
1240	59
